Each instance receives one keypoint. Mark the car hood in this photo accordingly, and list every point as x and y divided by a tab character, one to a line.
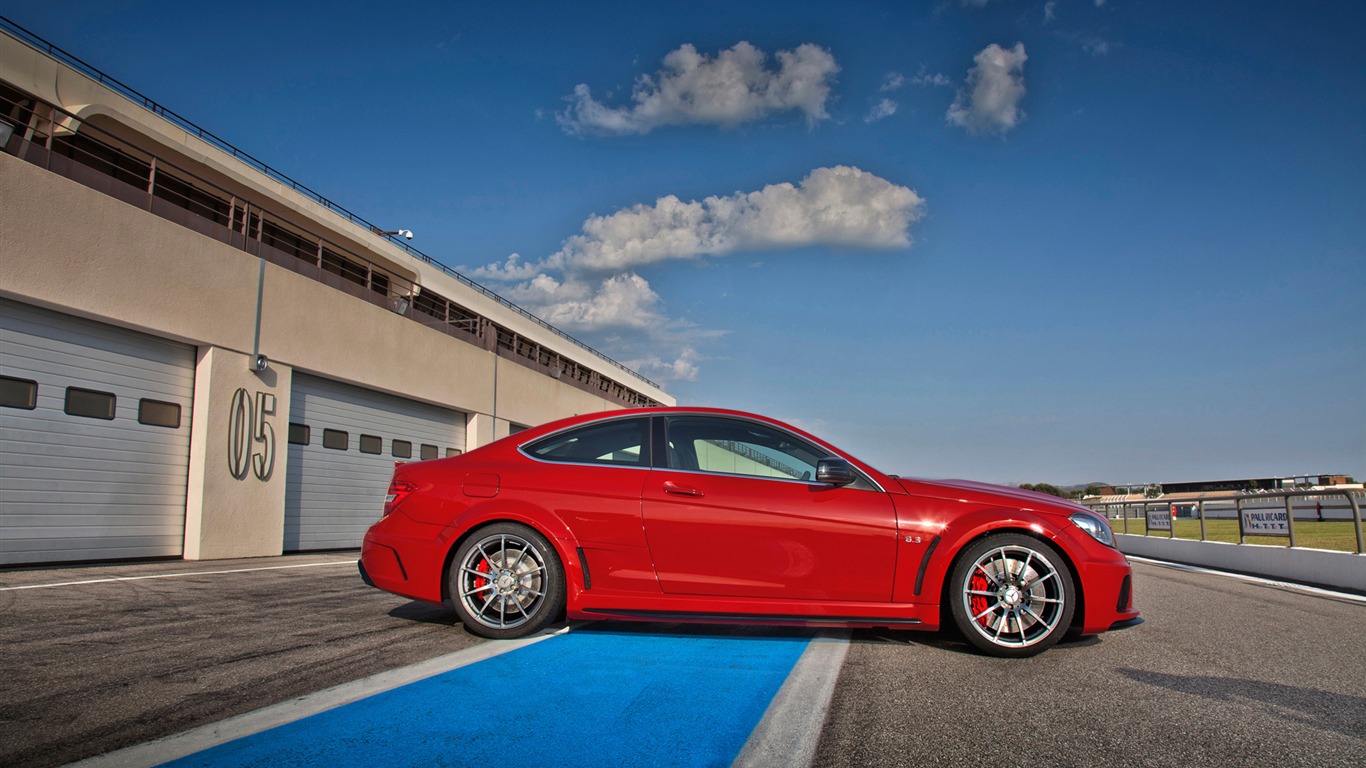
968	490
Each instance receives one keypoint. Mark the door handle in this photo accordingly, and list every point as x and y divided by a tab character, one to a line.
681	490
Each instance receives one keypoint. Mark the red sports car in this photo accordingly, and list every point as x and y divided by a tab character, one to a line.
705	515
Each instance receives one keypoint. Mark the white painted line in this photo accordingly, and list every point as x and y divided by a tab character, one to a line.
198	739
790	730
114	579
1252	579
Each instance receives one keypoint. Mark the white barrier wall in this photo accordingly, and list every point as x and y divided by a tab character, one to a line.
1342	570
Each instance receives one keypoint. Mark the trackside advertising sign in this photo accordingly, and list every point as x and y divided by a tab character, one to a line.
1265	522
1159	519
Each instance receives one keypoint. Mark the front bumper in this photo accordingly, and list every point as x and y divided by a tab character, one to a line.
1109	597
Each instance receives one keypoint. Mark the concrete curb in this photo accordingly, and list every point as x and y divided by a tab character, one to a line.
790	730
1342	570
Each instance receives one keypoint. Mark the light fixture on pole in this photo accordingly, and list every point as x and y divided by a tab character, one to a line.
406	234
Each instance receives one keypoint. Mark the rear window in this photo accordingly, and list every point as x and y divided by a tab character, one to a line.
623	442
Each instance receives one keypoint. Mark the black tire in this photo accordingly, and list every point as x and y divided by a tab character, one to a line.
1011	595
506	581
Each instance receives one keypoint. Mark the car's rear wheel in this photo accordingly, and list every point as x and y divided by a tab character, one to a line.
1012	595
506	581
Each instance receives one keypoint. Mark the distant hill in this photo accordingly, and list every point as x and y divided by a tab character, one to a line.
1083	486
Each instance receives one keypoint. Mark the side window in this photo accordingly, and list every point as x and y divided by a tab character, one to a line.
733	447
622	442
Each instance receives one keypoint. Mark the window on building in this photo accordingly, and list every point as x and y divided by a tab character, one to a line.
429	452
89	403
345	268
299	434
335	439
287	241
190	197
18	393
401	449
371	444
453	452
155	413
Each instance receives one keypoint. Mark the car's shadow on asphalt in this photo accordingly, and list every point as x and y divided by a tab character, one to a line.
675	629
944	640
427	613
949	641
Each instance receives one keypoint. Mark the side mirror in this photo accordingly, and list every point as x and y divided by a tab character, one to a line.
835	472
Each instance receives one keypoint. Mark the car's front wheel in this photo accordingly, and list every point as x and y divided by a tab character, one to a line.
1012	595
506	581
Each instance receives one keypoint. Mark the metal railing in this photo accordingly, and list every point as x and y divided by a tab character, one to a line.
43	46
1240	503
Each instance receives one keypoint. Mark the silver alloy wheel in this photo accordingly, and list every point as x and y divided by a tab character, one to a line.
1014	596
502	581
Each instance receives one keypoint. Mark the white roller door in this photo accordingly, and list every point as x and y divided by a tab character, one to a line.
94	439
343	442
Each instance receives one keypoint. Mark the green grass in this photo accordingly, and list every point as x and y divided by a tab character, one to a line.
1336	534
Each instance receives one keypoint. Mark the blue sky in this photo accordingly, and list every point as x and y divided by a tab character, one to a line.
1008	240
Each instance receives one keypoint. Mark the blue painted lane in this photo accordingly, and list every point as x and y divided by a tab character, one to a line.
591	697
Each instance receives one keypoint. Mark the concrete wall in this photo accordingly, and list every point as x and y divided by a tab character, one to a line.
79	251
1342	570
99	106
229	515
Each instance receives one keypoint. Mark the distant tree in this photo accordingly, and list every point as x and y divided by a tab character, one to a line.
1051	490
1093	489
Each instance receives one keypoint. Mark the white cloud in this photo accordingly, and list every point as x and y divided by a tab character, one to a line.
892	81
620	302
839	206
682	368
732	88
592	284
880	110
990	102
937	79
1048	9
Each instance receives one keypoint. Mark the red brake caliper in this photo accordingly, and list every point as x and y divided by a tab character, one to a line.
483	567
979	603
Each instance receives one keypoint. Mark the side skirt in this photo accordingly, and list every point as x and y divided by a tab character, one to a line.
744	618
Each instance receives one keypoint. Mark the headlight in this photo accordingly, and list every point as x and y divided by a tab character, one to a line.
1094	525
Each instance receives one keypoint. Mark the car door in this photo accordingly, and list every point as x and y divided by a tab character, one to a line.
733	510
590	477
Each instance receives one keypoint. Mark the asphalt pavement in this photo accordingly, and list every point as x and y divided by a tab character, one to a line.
93	665
1223	672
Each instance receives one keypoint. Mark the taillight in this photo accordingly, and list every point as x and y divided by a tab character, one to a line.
398	491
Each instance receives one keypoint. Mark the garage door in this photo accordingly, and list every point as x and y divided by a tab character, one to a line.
96	439
343	442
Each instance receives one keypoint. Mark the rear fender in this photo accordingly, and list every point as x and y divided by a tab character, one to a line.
545	522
